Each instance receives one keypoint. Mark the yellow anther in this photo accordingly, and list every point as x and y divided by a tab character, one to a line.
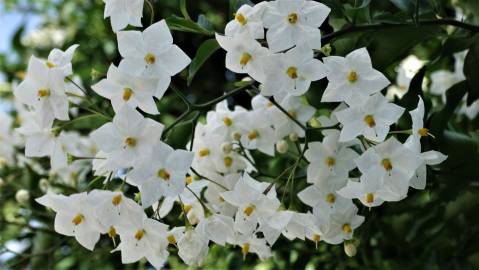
293	114
116	200
127	93
245	249
245	58
330	198
369	119
189	179
228	161
292	18
369	198
164	174
112	232
423	132
347	228
187	208
292	72
387	164
50	64
204	152
130	142
150	58
248	210
43	92
253	134
171	239
227	121
316	238
269	104
139	234
220	198
352	76
330	161
78	219
241	19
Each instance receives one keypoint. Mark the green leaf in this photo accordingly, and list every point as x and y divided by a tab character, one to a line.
176	23
471	71
457	43
206	49
363	4
184	10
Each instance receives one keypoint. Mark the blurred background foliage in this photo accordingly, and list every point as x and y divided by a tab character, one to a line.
432	229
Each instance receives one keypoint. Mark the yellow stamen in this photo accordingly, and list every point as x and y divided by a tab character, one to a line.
245	249
78	219
131	142
316	238
292	18
43	92
330	198
423	132
241	19
330	161
253	134
189	179
204	152
139	234
352	76
127	93
292	72
369	198
227	121
164	174
369	119
150	58
187	208
245	58
228	161
116	200
249	210
112	232
221	199
171	239
387	164
347	228
50	64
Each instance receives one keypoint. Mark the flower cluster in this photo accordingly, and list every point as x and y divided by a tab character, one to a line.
222	195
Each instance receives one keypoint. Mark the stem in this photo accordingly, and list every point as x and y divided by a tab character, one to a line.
207	179
287	114
206	105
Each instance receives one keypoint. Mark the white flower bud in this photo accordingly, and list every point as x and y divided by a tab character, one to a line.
227	147
293	137
350	249
282	146
22	196
44	184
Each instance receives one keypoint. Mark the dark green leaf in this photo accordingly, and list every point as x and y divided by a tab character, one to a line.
471	71
410	99
176	23
206	49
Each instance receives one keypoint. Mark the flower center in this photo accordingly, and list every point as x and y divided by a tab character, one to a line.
292	72
369	198
139	234
388	166
253	134
78	219
204	152
150	58
187	208
352	76
227	121
248	210
189	179
369	119
228	161
164	174
292	18
116	200
423	132
347	228
245	58
245	249
43	92
330	161
50	64
130	142
241	19
171	239
330	198
112	232
127	93
316	237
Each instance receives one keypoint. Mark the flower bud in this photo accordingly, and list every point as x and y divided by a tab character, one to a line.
227	147
282	146
44	184
293	137
22	196
350	249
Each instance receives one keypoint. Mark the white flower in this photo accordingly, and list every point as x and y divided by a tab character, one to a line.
74	217
44	90
371	119
151	53
352	78
129	139
247	20
257	133
298	110
291	72
250	243
163	175
342	223
58	59
244	55
123	13
193	247
293	22
325	198
217	228
365	191
126	90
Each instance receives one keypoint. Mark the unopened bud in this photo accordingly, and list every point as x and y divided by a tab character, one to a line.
350	249
44	184
282	146
22	196
293	137
227	147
